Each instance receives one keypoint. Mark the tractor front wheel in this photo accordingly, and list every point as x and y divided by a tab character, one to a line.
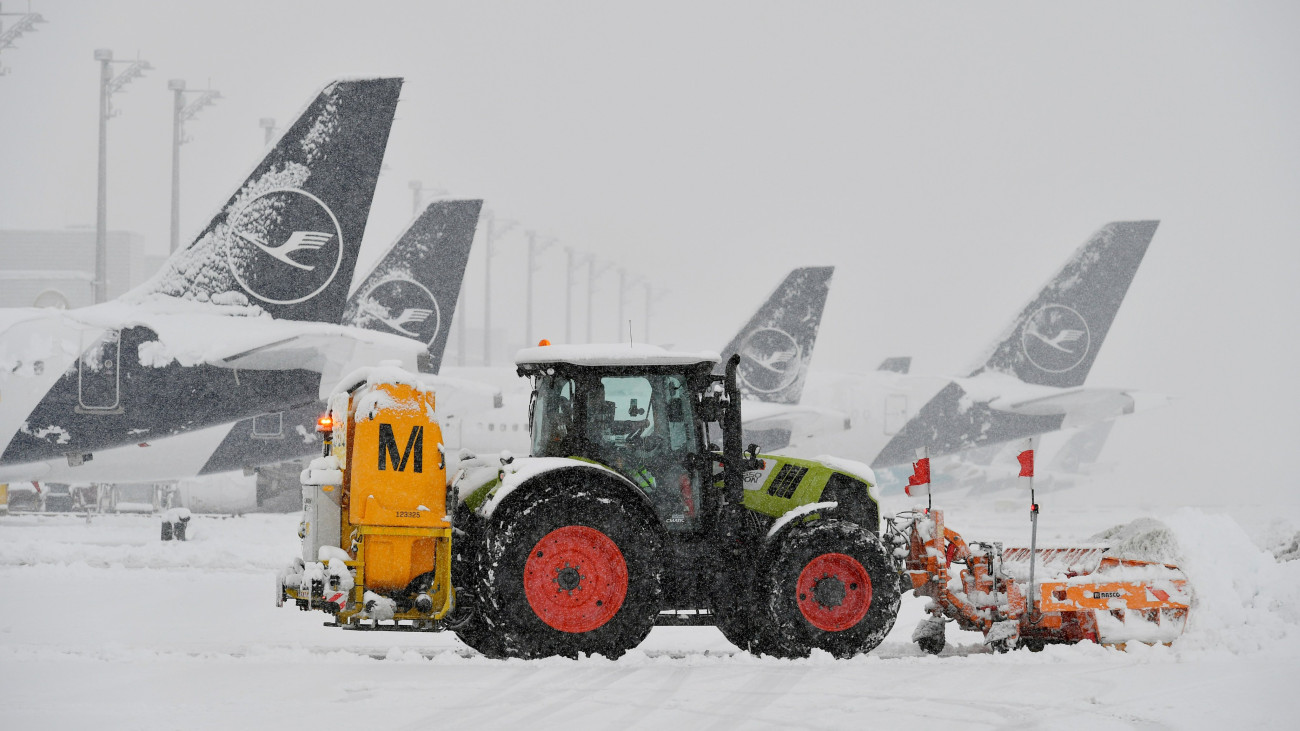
831	587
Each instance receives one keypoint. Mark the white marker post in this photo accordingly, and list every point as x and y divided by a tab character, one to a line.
1026	458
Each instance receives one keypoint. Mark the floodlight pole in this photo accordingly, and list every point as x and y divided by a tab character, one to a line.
105	58
108	85
650	298
624	284
533	250
574	261
26	23
592	273
182	113
492	229
178	106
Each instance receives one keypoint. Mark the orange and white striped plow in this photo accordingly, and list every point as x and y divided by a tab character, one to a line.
1129	600
1079	593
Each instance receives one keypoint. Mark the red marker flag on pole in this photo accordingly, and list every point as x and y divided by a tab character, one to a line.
920	474
1026	458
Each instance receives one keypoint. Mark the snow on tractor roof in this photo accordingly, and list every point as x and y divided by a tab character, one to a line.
611	354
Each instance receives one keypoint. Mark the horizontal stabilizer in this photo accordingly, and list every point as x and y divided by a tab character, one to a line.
901	364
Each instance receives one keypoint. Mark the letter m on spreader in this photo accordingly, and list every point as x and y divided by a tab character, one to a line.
388	449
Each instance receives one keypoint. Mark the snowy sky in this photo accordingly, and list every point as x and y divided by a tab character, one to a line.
946	157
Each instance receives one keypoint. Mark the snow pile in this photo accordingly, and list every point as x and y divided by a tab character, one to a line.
322	471
797	513
859	470
377	607
1144	539
1282	539
1244	600
388	371
518	471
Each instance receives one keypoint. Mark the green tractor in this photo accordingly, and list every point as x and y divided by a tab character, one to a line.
628	514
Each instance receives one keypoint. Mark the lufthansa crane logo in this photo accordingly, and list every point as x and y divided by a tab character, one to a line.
769	360
402	306
1055	338
284	246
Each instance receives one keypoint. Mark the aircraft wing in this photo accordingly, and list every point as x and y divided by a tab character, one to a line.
331	350
766	415
459	396
1079	405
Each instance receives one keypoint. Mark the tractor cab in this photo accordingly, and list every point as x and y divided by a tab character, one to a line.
639	410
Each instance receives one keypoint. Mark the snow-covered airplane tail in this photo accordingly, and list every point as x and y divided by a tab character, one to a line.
414	288
776	345
1055	338
412	292
287	239
1031	381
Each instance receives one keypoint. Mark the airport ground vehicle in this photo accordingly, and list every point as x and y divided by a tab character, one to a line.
376	534
627	515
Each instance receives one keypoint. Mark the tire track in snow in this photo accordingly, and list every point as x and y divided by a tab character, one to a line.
660	696
745	705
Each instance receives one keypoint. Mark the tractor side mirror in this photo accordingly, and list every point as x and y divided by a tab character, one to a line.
676	413
709	409
633	410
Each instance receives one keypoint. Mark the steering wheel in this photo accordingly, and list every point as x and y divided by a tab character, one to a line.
649	443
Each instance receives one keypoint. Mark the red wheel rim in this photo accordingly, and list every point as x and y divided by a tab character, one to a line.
834	592
575	579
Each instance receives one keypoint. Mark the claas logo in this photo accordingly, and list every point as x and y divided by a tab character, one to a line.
388	453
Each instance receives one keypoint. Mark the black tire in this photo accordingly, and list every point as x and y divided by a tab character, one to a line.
748	628
467	619
831	587
1033	644
932	644
737	604
535	607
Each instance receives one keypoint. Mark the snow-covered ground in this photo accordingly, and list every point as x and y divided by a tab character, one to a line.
105	626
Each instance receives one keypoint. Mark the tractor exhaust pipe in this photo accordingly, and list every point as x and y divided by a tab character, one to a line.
732	436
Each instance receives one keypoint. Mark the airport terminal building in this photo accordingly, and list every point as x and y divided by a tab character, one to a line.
56	268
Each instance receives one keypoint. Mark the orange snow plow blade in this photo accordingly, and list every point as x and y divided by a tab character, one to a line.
1078	594
1130	600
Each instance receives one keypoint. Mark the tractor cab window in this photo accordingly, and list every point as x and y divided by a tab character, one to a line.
553	428
642	427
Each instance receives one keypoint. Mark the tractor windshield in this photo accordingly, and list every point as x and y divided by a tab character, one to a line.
642	427
553	429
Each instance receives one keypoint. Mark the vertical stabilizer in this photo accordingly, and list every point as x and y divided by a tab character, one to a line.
1055	338
287	239
900	364
776	345
414	288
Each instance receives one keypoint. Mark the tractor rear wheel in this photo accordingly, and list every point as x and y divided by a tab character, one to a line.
468	619
831	587
572	570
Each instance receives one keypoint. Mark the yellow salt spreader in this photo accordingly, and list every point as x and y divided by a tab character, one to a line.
376	537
